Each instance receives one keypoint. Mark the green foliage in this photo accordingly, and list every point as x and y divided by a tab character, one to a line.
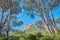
2	36
13	38
46	38
22	38
31	37
58	20
37	36
39	22
17	23
56	36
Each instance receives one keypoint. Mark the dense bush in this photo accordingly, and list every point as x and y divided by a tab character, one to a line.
56	36
51	37
2	36
22	38
31	37
13	38
36	36
46	38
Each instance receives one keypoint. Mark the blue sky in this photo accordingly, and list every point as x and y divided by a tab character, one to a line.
56	12
28	20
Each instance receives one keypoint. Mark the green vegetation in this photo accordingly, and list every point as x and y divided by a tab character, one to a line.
36	36
44	29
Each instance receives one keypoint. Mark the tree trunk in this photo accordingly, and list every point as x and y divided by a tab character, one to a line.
1	23
7	35
54	24
45	22
48	21
8	24
46	25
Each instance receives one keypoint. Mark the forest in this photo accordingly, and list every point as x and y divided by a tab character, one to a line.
23	13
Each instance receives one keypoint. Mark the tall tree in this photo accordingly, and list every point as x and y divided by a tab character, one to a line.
14	8
51	5
57	20
42	8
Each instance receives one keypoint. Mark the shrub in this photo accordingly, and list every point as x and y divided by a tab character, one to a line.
46	38
2	37
13	38
56	36
22	38
31	37
38	35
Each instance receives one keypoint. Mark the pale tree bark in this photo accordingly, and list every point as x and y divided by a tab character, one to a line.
41	4
1	23
46	25
51	23
54	23
9	16
48	21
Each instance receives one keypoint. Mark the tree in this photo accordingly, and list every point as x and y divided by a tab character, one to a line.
39	23
57	20
43	10
14	8
51	5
